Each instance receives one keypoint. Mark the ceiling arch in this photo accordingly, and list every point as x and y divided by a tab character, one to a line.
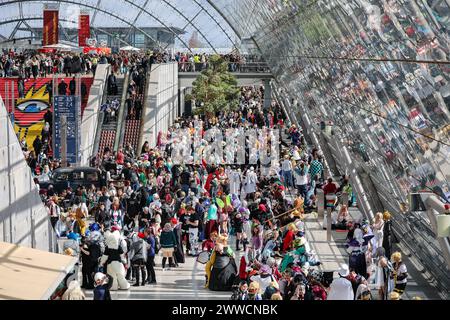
201	16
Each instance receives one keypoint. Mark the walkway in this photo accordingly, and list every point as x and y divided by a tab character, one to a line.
183	283
333	253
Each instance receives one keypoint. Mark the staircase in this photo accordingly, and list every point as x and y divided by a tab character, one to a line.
108	130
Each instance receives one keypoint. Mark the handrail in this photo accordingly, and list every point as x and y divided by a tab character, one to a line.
233	67
144	106
101	117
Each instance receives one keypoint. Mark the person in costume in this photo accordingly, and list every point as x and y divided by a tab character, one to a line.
341	288
221	269
357	248
238	224
387	233
264	278
113	259
73	292
289	237
253	291
168	245
209	244
212	224
241	293
399	273
103	285
179	252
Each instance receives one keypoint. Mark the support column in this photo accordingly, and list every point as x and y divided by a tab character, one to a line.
329	210
320	204
267	94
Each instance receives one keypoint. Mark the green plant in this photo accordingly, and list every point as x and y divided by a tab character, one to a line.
215	88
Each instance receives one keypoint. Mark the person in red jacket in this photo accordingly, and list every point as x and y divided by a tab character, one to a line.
330	187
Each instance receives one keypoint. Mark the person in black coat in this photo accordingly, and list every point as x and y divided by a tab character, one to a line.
72	86
68	66
37	145
179	253
387	234
90	254
62	88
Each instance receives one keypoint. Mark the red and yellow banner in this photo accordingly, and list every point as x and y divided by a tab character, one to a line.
51	28
29	111
84	30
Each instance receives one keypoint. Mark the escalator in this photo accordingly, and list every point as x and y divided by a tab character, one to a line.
109	124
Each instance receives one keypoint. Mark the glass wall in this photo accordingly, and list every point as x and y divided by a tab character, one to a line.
378	71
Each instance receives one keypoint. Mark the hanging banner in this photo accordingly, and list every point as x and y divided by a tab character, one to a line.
51	29
84	30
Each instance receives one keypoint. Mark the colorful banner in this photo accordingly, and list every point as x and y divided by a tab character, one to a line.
51	28
91	50
29	111
84	30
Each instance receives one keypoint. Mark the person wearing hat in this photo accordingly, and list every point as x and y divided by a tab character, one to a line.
341	288
103	284
138	257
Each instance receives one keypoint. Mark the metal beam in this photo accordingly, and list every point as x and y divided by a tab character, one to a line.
136	18
214	19
16	28
211	3
160	21
94	15
190	22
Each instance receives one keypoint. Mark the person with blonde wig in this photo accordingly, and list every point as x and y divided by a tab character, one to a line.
221	269
73	292
399	273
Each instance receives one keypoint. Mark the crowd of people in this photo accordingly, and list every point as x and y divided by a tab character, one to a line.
33	64
153	212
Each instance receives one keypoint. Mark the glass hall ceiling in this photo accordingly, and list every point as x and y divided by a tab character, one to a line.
185	16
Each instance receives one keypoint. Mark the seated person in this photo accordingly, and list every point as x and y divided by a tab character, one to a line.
338	219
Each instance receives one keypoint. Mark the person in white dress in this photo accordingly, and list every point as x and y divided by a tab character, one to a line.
341	288
251	181
235	182
377	229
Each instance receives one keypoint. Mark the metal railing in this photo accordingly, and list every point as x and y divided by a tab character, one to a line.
235	67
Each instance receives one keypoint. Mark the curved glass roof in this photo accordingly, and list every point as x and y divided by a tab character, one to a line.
178	16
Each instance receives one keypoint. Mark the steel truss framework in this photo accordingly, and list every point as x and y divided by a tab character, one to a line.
143	9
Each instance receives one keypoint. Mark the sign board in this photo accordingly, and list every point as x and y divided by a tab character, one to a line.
70	108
